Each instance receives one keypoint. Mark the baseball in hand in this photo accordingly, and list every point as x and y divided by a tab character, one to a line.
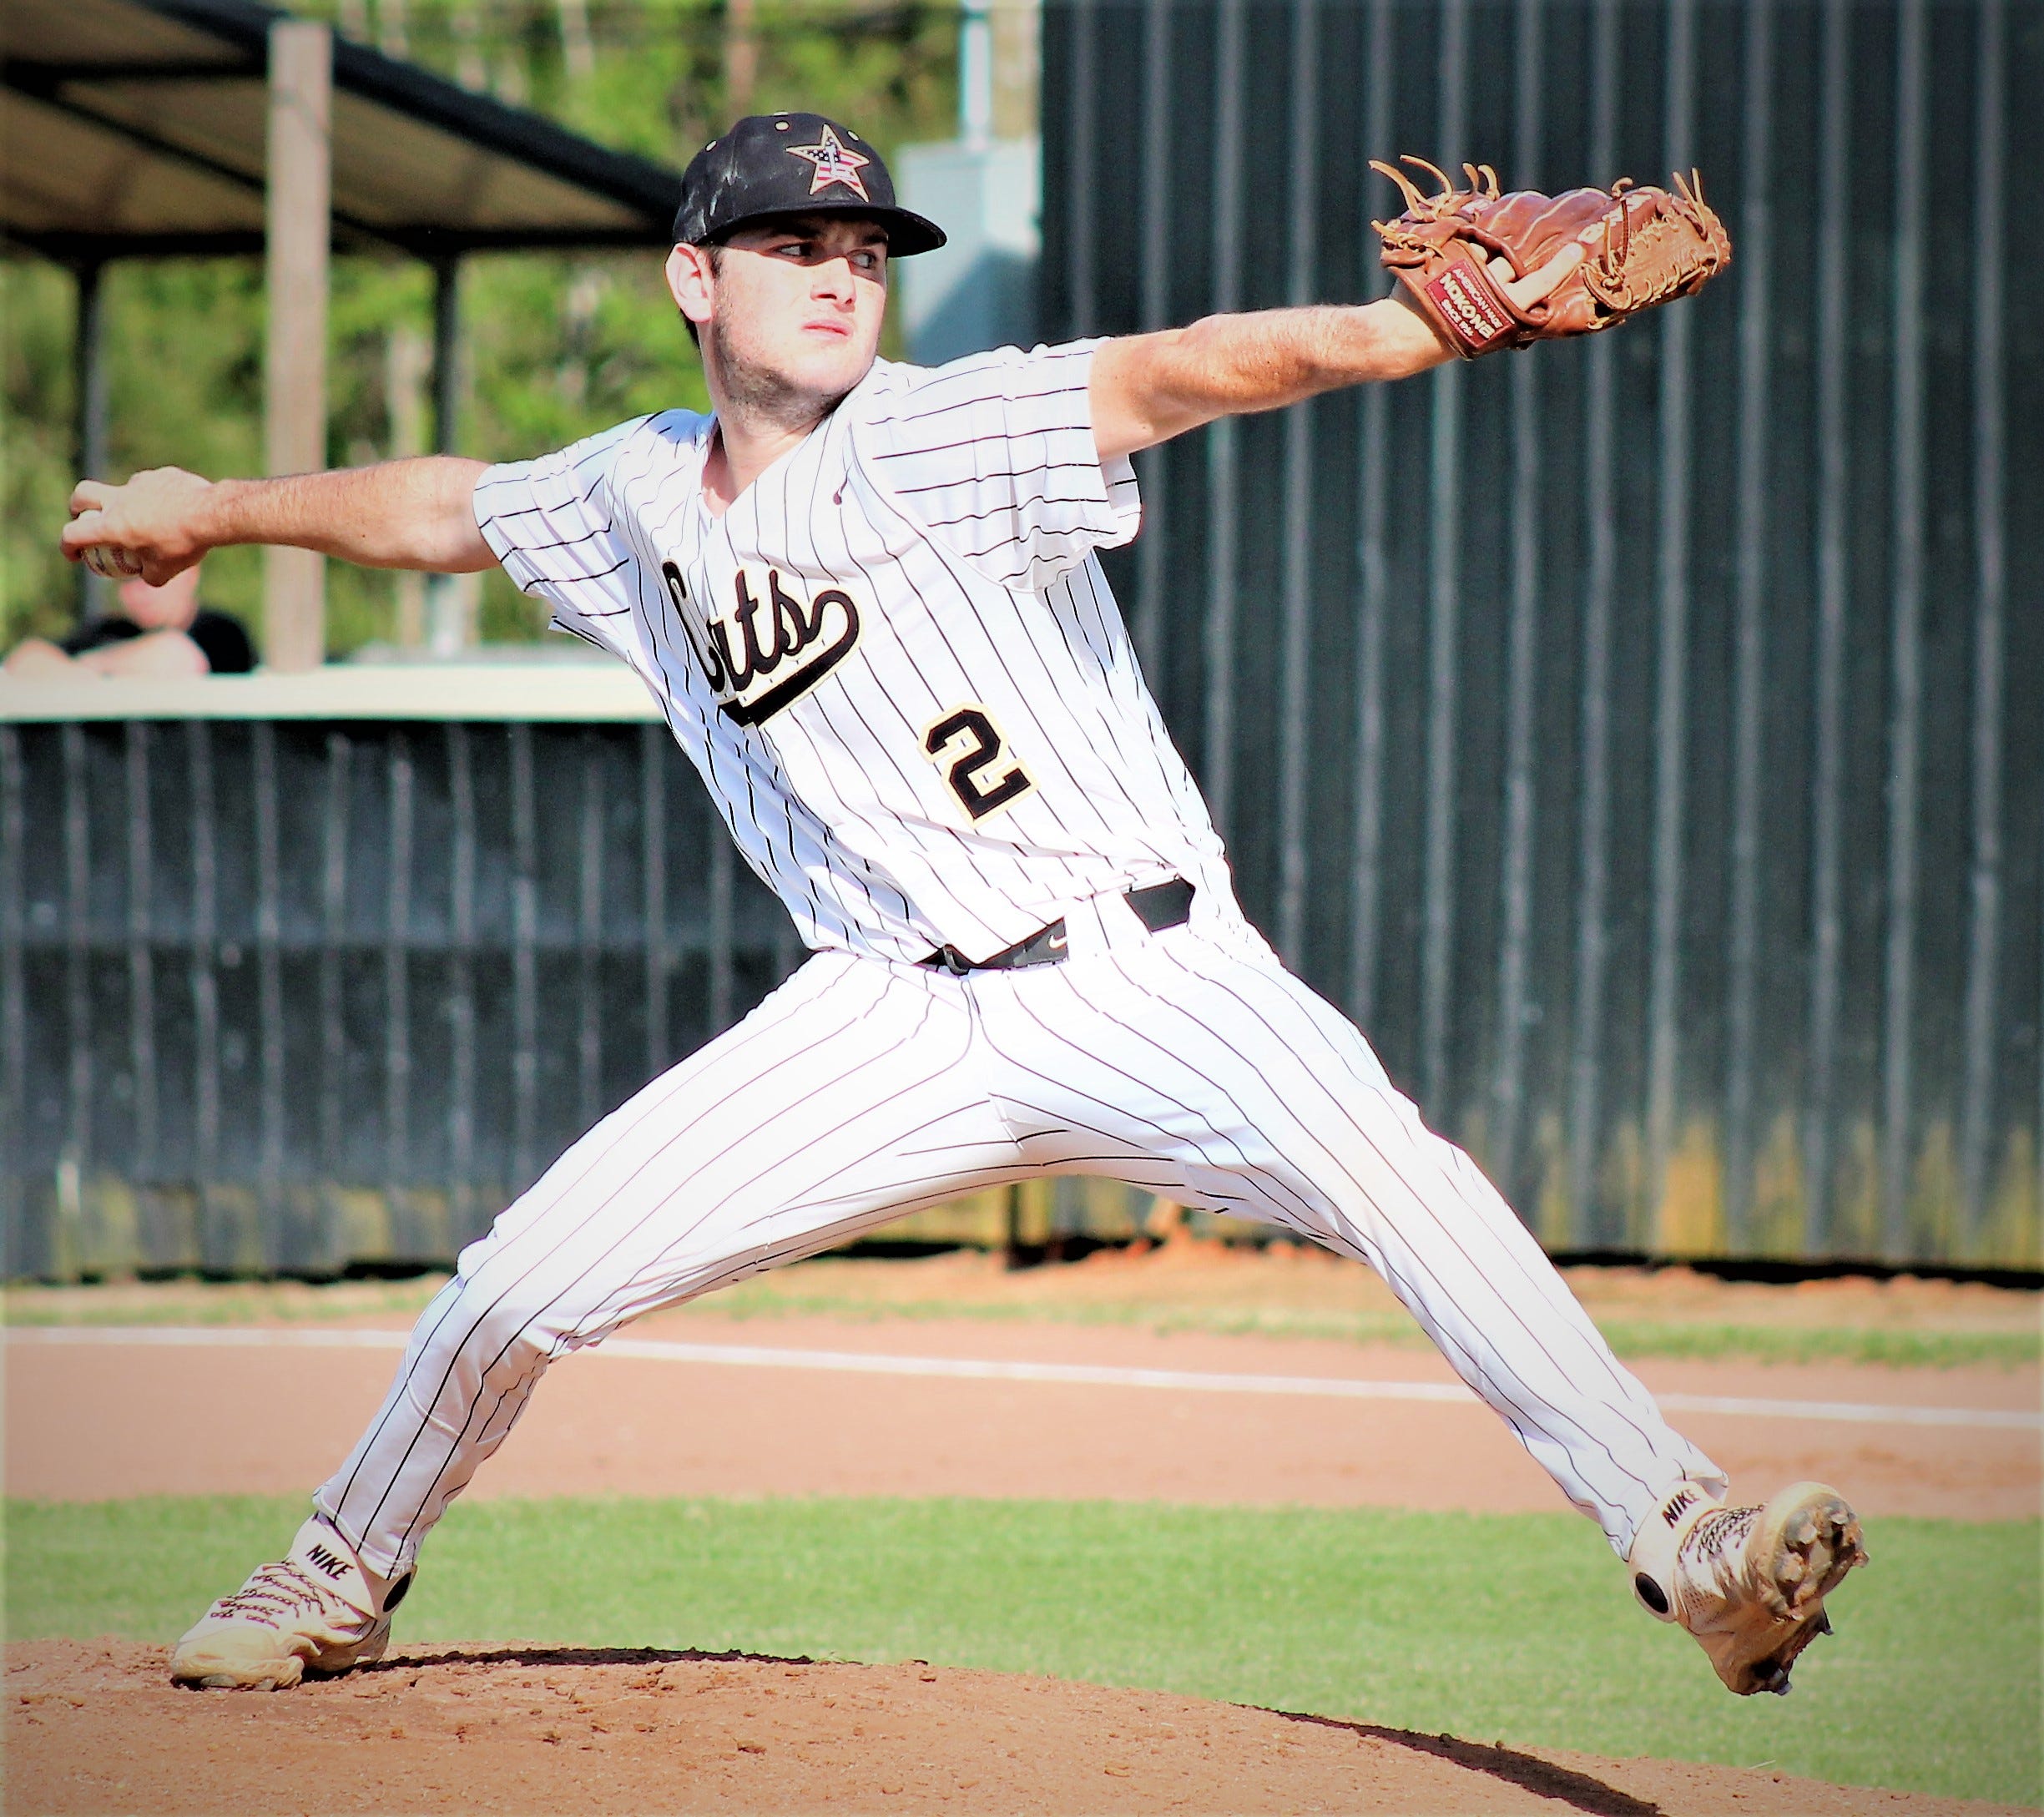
105	559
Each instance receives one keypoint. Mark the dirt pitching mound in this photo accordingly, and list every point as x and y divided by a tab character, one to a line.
96	1727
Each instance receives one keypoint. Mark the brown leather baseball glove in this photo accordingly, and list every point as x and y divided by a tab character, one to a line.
1642	248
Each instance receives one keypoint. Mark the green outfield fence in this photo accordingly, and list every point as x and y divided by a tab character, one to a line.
1642	737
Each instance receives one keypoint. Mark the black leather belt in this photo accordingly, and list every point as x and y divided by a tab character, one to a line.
1161	905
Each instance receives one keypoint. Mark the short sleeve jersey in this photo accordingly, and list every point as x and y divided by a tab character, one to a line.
894	658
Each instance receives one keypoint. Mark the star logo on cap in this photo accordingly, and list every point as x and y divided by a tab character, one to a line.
833	165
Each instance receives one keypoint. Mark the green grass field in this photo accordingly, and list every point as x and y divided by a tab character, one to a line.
1695	1341
1513	1628
786	1296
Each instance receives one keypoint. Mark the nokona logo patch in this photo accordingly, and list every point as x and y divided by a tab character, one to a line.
771	648
833	165
1468	306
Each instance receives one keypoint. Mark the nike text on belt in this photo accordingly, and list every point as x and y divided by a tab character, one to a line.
1161	905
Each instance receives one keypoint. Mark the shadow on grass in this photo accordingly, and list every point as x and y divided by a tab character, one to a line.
1577	1790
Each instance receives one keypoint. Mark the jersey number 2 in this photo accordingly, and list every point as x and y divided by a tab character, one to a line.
973	737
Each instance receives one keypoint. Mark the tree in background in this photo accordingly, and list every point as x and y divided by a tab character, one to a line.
557	346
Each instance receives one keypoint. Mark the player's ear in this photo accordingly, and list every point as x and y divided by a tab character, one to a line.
691	280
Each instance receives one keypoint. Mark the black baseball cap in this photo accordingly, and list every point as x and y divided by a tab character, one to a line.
793	164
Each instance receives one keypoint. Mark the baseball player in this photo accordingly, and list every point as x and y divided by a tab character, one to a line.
867	598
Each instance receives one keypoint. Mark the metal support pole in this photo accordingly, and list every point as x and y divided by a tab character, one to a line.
446	354
90	453
450	598
741	55
299	229
975	75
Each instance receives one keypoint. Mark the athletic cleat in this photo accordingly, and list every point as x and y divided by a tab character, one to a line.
316	1608
1749	1584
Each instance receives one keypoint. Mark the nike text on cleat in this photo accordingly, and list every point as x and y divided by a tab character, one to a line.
314	1608
1749	1584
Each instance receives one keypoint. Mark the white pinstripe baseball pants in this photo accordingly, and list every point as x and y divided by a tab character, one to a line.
1189	1062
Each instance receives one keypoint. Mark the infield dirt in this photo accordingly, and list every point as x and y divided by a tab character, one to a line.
96	1727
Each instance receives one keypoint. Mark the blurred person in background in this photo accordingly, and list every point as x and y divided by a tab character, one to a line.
158	631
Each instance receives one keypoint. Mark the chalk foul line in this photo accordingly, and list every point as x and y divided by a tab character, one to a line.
973	1369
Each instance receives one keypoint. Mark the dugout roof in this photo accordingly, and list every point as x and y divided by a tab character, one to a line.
138	127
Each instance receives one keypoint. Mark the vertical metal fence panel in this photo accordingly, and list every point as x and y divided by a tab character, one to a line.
300	997
14	1110
1639	737
1579	1223
1834	148
1674	805
1369	598
1905	682
202	936
1223	141
1990	442
1755	231
1157	161
1296	725
1515	867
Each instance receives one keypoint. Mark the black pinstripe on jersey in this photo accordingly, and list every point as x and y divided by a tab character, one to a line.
953	515
926	561
1200	1068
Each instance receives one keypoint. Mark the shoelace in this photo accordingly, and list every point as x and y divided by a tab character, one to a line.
276	1590
1721	1529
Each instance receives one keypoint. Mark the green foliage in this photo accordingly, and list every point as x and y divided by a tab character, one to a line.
558	345
1497	1628
35	459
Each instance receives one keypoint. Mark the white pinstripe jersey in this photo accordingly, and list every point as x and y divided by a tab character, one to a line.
895	659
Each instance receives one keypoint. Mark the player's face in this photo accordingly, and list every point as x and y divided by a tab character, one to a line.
795	306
